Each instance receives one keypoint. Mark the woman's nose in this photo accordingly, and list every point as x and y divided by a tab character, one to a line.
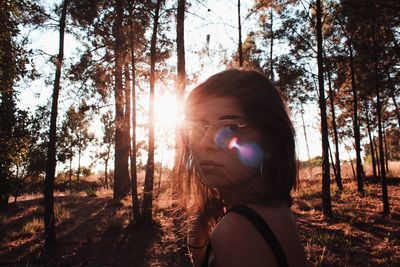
207	140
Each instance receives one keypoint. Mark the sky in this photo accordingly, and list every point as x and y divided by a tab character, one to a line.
209	23
218	19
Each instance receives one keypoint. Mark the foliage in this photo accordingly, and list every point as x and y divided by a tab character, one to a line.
392	145
13	66
75	135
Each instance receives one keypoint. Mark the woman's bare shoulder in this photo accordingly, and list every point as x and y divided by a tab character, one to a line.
236	241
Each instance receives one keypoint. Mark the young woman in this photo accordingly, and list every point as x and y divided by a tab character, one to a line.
238	169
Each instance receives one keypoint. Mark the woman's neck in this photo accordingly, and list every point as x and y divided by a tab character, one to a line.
233	198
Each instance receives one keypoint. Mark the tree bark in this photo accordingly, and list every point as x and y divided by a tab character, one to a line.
180	47
149	178
386	151
333	163
385	198
306	139
271	61
356	126
70	175
240	50
181	82
160	173
135	200
326	194
371	143
121	172
7	101
49	220
377	156
338	172
78	175
106	173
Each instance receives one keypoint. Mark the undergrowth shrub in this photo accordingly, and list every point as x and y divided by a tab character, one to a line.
61	214
33	226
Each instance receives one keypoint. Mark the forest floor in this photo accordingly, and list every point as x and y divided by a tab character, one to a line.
91	231
358	234
95	230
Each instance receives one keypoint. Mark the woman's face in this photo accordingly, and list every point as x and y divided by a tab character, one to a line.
227	150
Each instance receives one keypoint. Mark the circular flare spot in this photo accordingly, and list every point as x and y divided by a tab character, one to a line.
233	142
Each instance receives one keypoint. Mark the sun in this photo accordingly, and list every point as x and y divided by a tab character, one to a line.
166	119
166	108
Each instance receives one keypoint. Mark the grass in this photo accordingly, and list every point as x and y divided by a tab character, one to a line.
61	213
33	226
358	234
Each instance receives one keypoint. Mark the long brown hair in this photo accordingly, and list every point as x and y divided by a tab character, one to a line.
265	108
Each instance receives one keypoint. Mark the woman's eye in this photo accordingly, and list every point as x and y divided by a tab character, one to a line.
231	126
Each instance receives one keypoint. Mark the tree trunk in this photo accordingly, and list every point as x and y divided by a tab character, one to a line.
135	200
149	178
377	156
338	174
240	50
127	116
121	172
359	167
371	143
271	61
106	173
386	151
49	220
180	47
326	194
7	101
127	94
305	137
79	163
17	189
385	198
70	175
181	82
332	162
160	173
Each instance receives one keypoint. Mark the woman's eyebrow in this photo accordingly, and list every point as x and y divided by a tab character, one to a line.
230	117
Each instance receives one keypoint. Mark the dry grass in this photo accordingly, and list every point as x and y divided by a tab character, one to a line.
34	226
61	213
358	234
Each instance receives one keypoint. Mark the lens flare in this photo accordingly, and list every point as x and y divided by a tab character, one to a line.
223	137
233	143
250	154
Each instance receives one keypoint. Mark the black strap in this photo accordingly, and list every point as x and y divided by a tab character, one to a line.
264	230
207	255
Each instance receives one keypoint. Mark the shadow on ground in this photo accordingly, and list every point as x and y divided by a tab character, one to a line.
98	234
